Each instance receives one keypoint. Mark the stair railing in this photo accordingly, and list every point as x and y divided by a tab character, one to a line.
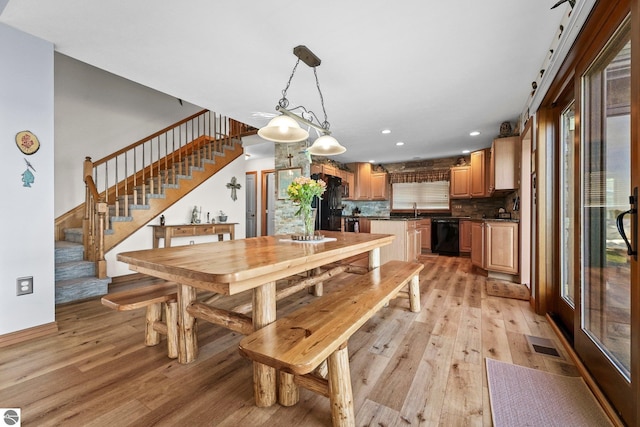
129	175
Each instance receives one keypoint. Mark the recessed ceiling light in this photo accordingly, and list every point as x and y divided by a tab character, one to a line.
372	161
465	151
386	131
474	133
399	143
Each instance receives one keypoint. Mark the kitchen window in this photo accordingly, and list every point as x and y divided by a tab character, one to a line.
424	196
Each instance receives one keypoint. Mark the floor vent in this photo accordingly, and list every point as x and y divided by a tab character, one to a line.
543	346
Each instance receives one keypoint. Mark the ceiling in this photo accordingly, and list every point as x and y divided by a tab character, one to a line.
429	71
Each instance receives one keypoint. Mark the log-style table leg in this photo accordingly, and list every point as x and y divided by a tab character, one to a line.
187	337
264	312
374	258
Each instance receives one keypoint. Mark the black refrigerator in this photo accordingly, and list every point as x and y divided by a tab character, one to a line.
329	214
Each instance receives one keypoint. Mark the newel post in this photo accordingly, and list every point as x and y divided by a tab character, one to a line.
87	220
101	263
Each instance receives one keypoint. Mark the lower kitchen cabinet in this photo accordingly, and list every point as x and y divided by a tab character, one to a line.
501	243
495	246
477	243
406	245
465	236
424	225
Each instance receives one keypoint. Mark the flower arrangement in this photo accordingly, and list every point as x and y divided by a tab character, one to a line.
302	191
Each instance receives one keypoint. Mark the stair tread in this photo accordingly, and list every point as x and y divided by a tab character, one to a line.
72	263
82	279
64	244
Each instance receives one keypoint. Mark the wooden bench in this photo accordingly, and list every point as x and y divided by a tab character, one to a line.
299	343
154	298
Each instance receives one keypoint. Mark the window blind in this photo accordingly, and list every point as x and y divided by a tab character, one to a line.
427	195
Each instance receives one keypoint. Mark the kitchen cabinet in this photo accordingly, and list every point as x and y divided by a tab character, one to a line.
406	245
364	224
349	184
369	185
504	164
501	247
379	186
362	181
424	225
477	243
465	236
346	177
495	246
460	182
480	164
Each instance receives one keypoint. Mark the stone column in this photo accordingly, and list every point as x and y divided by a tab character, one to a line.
285	220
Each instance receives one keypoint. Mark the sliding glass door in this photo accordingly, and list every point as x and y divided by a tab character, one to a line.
603	325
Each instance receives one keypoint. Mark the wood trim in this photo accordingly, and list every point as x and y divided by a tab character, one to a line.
544	215
594	34
28	334
263	200
635	177
584	373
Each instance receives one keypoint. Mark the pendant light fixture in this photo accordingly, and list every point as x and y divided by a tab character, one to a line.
286	127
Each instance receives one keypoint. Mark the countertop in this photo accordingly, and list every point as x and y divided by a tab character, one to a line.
412	218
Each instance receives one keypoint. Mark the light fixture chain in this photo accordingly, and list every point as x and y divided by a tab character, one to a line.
325	125
284	102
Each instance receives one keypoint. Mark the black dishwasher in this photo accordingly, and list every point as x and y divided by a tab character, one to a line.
445	237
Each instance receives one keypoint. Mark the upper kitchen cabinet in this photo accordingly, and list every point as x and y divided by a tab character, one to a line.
379	186
369	185
349	184
479	185
347	177
460	182
504	164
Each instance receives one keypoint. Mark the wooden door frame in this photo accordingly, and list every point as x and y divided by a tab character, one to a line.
604	21
255	195
263	199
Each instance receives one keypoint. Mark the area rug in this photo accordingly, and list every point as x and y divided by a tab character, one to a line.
499	288
523	396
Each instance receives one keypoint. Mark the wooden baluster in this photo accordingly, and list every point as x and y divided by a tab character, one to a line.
166	158
151	180
135	178
116	193
143	181
125	191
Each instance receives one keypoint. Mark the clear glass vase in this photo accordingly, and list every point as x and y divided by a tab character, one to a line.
309	218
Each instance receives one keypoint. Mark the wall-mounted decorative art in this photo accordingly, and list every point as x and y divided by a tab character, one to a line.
28	177
27	142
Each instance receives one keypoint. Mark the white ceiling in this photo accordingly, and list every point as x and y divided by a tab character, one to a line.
429	71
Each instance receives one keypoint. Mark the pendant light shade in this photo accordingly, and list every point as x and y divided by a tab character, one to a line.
286	128
326	145
283	129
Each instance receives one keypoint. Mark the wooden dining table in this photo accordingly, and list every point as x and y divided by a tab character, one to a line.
234	266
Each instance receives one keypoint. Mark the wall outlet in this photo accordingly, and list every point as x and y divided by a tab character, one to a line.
24	285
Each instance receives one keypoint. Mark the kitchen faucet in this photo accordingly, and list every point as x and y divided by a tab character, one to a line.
415	210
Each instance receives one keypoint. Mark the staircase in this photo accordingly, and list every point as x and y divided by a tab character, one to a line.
160	170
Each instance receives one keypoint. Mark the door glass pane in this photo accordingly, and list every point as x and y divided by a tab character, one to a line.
605	316
567	197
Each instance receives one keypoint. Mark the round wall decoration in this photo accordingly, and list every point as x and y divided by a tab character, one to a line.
27	142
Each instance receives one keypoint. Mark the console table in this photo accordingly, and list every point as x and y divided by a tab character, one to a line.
166	232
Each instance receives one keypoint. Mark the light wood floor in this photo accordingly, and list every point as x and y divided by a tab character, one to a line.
408	369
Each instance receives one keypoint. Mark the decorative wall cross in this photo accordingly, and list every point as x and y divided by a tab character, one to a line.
233	185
